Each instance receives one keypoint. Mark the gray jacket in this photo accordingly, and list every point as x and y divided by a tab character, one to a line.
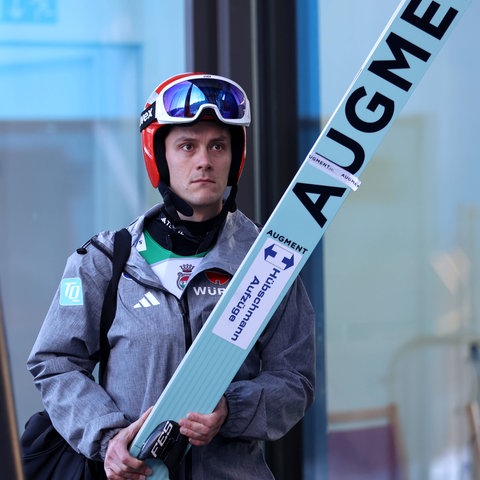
148	339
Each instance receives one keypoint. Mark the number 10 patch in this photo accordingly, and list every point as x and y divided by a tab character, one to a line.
71	292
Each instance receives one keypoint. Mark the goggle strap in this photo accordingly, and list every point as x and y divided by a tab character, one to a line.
147	117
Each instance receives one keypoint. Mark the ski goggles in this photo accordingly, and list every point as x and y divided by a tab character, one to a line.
184	101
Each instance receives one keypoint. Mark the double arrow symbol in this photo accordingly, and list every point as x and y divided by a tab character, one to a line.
284	260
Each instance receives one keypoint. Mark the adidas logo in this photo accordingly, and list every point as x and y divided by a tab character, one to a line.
148	300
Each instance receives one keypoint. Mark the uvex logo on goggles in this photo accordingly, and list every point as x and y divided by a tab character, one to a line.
147	117
186	100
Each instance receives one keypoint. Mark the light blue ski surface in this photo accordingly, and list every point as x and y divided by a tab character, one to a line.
410	41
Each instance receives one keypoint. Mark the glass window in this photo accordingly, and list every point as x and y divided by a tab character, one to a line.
74	76
401	259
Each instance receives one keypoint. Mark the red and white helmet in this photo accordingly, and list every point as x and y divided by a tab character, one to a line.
186	98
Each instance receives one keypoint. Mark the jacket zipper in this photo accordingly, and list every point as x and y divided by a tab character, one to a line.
187	329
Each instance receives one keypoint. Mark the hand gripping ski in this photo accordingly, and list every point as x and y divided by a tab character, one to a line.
167	444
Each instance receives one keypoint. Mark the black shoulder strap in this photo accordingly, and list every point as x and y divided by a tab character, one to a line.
121	252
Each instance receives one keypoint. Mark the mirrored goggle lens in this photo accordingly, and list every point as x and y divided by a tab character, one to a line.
185	99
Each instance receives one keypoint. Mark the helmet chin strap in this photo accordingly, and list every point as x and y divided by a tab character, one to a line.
173	203
230	205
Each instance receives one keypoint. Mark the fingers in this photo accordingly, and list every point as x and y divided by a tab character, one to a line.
119	464
197	428
121	473
124	466
202	428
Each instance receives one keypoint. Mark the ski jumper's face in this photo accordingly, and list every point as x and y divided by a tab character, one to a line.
198	158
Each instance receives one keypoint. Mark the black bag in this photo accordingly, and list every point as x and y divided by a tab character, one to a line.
45	453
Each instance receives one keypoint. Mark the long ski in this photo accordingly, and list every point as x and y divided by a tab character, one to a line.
391	72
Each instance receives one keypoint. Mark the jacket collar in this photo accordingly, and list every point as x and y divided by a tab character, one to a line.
234	240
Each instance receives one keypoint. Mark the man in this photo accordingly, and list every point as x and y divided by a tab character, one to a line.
193	140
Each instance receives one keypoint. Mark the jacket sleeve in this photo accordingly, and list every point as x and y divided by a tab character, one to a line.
65	354
267	406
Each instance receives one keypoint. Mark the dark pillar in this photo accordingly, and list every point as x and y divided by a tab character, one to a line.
254	43
11	461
